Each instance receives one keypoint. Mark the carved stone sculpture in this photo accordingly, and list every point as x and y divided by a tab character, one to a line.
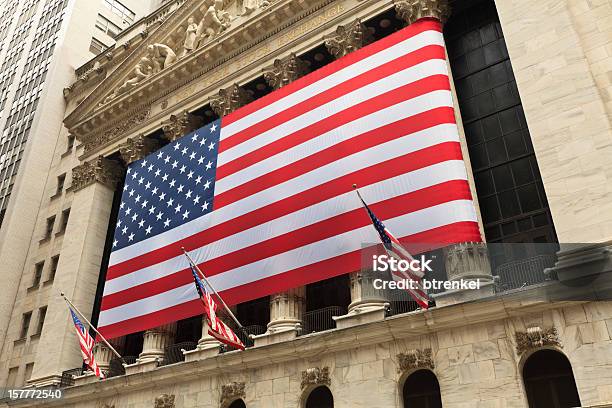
229	99
315	376
137	148
348	38
413	10
164	401
101	170
190	36
180	124
536	337
231	392
285	71
415	359
161	55
215	20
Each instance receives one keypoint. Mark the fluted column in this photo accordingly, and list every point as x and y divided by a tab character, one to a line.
467	261
413	10
103	354
155	341
207	341
286	310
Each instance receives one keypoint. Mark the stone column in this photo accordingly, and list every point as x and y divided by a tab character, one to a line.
413	10
103	354
348	38
229	99
155	342
180	124
468	261
137	148
93	186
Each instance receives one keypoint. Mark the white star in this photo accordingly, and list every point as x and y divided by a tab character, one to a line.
190	175
128	211
198	179
115	242
202	141
165	177
189	193
207	185
167	159
148	185
148	230
122	205
184	151
159	215
178	208
201	160
134	175
177	146
131	193
205	206
154	191
180	188
150	168
160	155
124	230
162	196
213	127
131	237
196	200
151	210
172	183
192	156
119	223
211	146
174	164
134	217
208	165
170	202
157	173
125	188
185	214
129	170
183	169
145	203
141	224
137	199
194	138
144	163
167	222
141	180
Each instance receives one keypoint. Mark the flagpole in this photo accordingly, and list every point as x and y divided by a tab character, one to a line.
92	326
212	288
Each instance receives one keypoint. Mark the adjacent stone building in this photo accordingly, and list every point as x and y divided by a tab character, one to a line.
532	82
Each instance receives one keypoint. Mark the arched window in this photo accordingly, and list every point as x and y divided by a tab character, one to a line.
422	390
237	404
320	397
549	381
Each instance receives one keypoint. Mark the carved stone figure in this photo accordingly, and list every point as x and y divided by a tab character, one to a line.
285	71
161	55
231	392
315	376
143	69
415	359
164	401
348	38
214	21
190	36
536	337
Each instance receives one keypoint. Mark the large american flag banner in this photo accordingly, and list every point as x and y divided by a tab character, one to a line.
263	198
87	343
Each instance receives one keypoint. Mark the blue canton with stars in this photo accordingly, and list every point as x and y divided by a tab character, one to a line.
168	188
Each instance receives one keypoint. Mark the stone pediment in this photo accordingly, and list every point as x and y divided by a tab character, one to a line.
193	39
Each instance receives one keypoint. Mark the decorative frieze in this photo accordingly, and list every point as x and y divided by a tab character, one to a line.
93	141
415	359
137	148
231	392
536	337
348	38
413	10
164	401
315	376
180	124
99	170
285	71
229	99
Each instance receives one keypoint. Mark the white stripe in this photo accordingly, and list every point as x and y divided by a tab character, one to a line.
370	157
367	64
423	70
405	225
342	133
405	183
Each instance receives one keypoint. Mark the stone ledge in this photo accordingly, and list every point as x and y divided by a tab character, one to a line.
361	316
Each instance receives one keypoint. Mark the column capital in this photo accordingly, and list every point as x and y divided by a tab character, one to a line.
100	170
137	148
413	10
285	71
229	99
180	124
348	38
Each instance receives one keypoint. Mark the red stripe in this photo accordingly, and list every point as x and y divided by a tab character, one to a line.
360	110
350	59
351	220
362	142
426	53
329	268
382	171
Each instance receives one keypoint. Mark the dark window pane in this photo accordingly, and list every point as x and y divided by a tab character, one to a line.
528	196
491	128
478	156
474	133
484	183
524	224
490	210
509	204
521	169
509	121
509	228
503	178
496	151
515	144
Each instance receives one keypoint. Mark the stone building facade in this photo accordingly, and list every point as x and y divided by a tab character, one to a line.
548	66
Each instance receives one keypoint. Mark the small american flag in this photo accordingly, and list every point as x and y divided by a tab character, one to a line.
395	250
87	345
216	327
